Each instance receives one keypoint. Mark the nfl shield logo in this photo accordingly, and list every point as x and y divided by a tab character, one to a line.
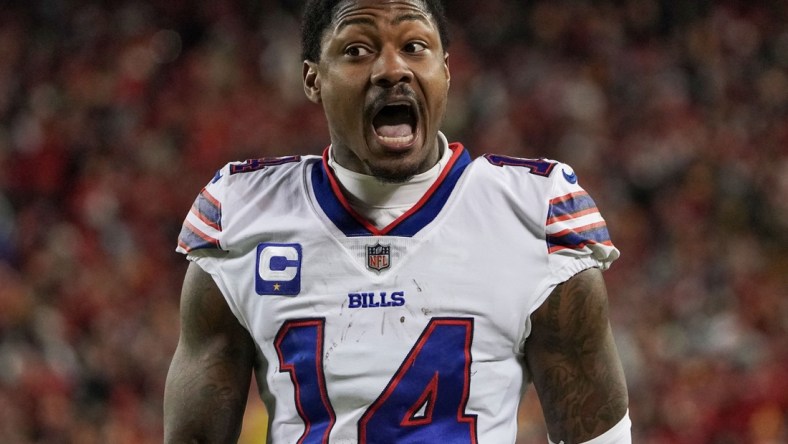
378	257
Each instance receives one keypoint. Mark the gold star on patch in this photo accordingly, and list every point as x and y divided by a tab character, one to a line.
276	287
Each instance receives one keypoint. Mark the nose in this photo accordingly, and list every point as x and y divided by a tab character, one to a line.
391	68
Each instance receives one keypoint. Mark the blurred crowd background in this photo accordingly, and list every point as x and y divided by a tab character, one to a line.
113	115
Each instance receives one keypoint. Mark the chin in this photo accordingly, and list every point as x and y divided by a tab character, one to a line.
388	176
398	164
398	173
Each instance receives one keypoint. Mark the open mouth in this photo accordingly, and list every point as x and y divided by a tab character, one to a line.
395	124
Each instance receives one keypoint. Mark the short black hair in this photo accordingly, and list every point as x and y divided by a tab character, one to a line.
318	14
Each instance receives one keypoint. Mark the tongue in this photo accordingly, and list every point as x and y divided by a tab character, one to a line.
400	130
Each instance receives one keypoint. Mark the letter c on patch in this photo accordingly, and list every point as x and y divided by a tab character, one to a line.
278	269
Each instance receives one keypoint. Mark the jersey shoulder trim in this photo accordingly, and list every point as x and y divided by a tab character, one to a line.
575	223
205	216
206	223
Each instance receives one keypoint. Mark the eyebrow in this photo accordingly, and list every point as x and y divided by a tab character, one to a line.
355	21
409	17
367	21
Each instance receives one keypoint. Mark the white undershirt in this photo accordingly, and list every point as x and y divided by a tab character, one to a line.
618	434
383	202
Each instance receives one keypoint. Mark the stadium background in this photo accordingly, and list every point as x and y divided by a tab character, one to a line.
114	114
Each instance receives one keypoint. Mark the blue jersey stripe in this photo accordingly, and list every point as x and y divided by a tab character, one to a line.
576	240
568	205
332	206
190	238
208	210
429	211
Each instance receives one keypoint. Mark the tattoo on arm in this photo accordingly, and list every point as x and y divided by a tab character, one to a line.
573	360
208	383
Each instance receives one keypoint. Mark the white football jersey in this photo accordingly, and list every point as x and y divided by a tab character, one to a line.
411	333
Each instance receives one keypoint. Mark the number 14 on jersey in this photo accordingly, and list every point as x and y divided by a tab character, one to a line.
424	401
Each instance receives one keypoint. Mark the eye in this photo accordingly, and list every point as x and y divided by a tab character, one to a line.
414	47
357	51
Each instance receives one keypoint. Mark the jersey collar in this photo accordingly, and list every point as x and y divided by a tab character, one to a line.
337	208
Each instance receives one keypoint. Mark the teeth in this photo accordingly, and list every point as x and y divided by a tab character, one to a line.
397	140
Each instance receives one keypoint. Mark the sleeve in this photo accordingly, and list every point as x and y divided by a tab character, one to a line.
576	234
202	235
202	227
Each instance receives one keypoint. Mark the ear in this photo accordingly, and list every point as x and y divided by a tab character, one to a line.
446	68
311	81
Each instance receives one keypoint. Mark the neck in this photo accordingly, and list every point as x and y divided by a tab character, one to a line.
382	202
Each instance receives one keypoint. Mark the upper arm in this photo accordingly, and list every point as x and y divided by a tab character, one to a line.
573	361
208	381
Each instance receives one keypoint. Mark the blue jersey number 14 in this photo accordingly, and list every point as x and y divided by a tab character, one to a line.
423	402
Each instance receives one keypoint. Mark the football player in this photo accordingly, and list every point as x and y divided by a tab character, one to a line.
393	290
